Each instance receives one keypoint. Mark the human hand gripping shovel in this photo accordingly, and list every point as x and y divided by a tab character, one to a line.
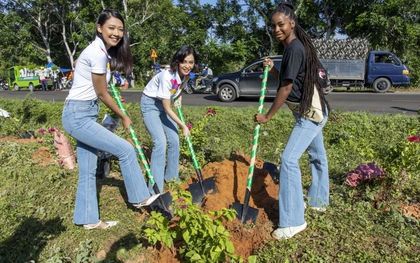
163	202
244	212
203	187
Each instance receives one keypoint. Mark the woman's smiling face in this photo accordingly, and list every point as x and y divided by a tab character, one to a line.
112	31
185	67
282	27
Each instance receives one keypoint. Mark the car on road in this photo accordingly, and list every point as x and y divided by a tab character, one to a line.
247	81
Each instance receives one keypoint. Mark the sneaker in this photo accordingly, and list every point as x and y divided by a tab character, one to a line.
147	202
288	232
100	225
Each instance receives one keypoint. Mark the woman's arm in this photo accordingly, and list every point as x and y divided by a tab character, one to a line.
282	94
99	84
168	109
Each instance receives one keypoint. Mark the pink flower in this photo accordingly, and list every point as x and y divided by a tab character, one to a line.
189	125
183	206
42	131
413	139
51	130
122	100
211	111
181	200
40	141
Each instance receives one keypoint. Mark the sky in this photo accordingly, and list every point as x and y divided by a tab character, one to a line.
212	2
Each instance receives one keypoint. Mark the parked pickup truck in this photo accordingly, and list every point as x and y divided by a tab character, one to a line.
380	70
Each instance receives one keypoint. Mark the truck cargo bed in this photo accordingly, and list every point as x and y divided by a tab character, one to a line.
345	69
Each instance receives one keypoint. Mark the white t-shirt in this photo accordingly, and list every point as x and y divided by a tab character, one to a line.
41	75
165	85
94	59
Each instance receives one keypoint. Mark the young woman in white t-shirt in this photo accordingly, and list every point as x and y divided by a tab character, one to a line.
109	51
159	118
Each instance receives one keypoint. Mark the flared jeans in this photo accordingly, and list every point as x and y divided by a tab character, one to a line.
79	120
305	136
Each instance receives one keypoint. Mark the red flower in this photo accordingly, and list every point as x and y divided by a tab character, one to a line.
42	131
183	206
51	130
40	141
189	125
211	111
413	139
180	200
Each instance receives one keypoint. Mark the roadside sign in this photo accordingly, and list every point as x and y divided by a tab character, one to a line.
153	55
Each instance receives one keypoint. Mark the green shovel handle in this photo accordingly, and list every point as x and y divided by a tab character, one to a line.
117	98
257	129
190	146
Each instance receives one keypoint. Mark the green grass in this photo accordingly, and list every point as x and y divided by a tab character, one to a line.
361	225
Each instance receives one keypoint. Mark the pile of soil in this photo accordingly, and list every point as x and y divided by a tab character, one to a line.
230	177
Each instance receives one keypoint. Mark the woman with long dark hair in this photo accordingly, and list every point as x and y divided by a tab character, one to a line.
109	51
300	89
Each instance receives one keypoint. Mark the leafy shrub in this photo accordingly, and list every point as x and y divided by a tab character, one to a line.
204	237
402	164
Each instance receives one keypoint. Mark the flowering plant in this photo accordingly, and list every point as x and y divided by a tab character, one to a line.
46	136
401	162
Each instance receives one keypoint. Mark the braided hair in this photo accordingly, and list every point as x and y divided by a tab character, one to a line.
312	63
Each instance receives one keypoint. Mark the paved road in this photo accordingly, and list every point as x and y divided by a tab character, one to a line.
377	103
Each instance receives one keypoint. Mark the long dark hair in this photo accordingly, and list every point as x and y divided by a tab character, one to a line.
121	58
180	55
312	63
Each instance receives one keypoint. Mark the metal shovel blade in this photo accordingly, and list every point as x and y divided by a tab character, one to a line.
200	189
245	213
163	205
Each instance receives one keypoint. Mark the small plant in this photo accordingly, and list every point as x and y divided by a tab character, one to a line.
204	238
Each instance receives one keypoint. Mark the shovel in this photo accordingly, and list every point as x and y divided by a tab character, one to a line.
203	187
245	212
164	201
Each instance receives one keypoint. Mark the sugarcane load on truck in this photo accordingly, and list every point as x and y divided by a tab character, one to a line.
350	63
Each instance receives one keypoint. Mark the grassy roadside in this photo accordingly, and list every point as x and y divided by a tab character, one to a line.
363	224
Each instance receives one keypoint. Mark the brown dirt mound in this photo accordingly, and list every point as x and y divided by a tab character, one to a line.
230	177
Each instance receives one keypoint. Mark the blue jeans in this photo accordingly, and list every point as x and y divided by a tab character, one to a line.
163	130
79	120
206	82
44	85
306	135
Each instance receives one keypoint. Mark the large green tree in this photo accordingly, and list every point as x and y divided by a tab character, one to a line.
226	35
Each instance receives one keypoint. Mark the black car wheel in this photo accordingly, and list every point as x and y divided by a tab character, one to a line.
227	93
381	85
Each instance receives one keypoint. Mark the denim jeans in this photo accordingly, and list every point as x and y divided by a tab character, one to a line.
164	131
79	120
44	85
206	82
306	135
